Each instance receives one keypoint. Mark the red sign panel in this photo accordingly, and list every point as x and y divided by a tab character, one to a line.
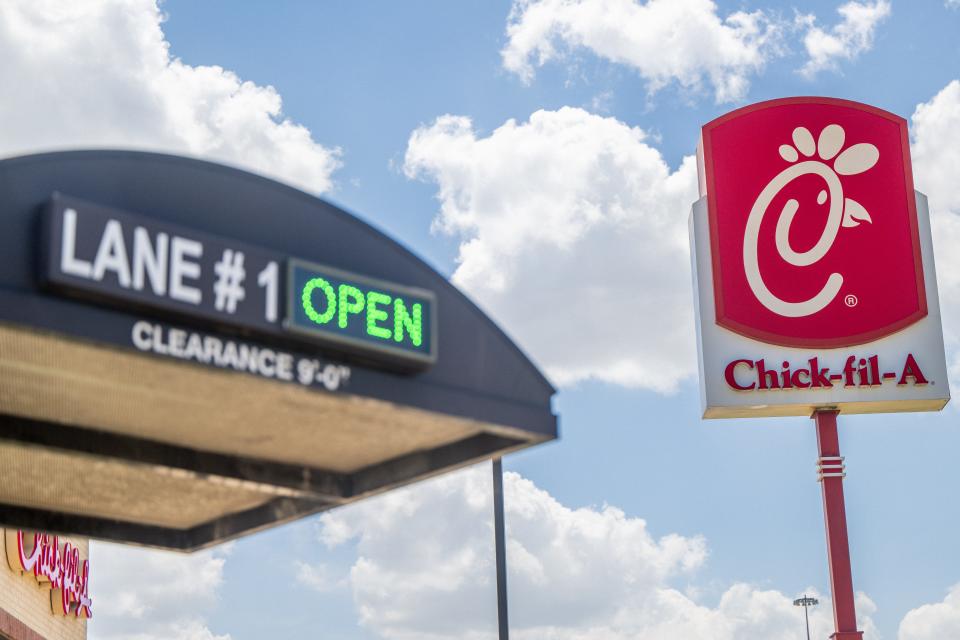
813	223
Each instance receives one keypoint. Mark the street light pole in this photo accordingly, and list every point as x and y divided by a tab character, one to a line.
806	602
500	546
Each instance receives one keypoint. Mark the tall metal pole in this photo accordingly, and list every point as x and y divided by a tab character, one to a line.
831	474
806	602
501	551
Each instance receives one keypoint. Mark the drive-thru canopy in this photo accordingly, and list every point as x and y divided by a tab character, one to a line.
189	352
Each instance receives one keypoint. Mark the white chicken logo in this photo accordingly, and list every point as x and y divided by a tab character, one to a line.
843	212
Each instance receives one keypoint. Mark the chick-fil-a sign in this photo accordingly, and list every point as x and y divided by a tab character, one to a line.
813	223
809	240
58	566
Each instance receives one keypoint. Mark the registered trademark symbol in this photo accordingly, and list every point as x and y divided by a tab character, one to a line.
851	300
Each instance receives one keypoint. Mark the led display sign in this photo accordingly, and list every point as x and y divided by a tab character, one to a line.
353	310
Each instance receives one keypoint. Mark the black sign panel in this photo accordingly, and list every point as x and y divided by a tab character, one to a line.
111	254
128	257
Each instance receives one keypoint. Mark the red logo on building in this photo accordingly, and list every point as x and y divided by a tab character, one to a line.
57	566
813	222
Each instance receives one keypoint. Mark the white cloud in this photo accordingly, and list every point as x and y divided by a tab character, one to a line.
935	147
142	594
933	621
572	233
100	74
936	154
846	40
683	41
424	570
316	576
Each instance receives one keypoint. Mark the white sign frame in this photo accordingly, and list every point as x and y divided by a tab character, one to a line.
717	347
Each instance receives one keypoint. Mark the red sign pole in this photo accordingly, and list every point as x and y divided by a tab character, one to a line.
831	474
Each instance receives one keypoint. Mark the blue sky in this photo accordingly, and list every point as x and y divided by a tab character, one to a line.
364	75
361	78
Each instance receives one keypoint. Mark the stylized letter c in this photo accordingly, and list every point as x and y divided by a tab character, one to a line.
751	239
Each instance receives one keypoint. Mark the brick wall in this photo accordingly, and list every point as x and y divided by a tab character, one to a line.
25	612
